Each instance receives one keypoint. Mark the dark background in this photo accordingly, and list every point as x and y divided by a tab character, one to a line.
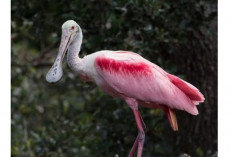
74	118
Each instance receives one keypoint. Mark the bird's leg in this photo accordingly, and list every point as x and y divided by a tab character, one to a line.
144	126
141	134
134	147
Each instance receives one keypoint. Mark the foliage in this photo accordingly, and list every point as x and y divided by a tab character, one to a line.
72	117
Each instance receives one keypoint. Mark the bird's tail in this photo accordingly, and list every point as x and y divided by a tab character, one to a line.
190	91
171	116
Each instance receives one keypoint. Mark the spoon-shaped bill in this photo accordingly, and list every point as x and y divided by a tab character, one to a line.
56	72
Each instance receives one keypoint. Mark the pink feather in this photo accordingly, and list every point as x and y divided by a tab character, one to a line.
192	92
130	75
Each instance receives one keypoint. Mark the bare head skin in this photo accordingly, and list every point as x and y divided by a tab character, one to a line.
70	30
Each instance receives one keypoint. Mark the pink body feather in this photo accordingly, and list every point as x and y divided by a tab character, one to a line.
129	75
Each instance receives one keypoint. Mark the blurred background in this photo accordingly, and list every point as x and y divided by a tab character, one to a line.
74	118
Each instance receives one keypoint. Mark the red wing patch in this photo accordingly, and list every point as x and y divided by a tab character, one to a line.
123	67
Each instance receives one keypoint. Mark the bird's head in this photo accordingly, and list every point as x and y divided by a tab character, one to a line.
70	32
70	29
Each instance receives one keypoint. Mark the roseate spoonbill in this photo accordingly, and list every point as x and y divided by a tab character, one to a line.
128	76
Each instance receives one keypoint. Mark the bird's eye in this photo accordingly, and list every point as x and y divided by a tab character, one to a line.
72	27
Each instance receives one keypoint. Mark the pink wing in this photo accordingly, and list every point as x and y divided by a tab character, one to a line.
135	77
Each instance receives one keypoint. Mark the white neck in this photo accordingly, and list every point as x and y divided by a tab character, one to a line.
73	58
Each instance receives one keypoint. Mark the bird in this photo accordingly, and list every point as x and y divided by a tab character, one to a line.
128	76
